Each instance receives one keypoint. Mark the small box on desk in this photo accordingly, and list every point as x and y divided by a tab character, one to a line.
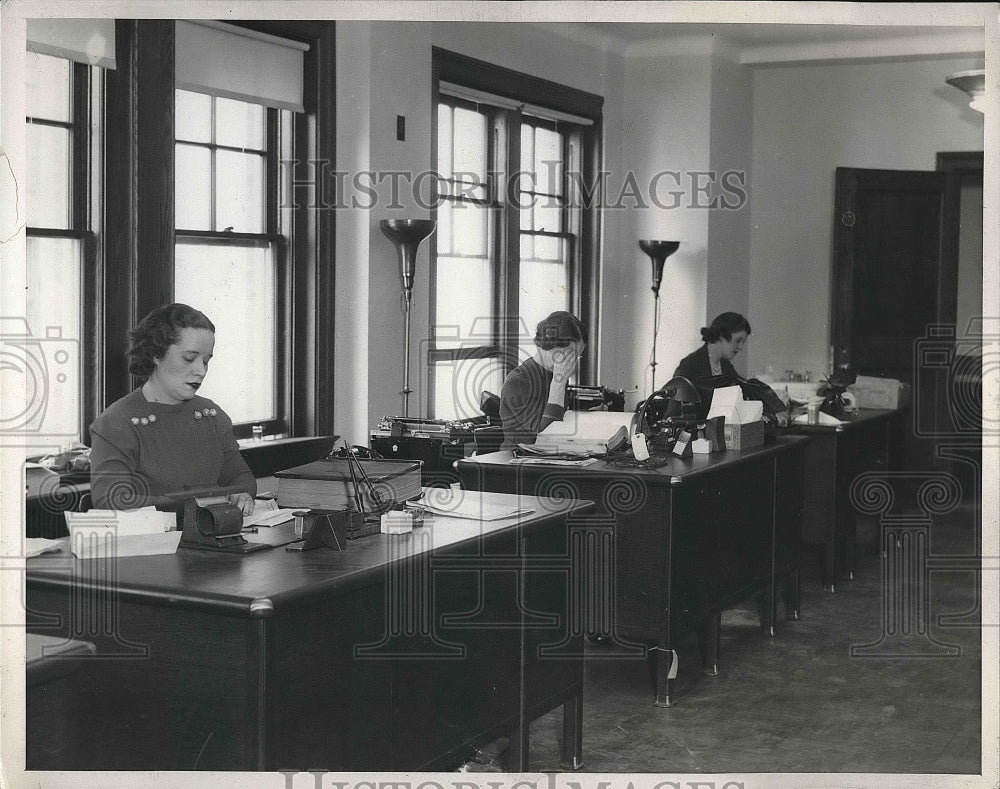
872	392
746	435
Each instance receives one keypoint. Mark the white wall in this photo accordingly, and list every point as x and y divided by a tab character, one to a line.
807	121
667	130
731	155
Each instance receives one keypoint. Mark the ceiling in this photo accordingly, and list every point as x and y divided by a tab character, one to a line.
763	34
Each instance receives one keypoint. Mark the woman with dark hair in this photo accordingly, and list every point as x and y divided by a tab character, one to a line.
534	393
163	438
722	340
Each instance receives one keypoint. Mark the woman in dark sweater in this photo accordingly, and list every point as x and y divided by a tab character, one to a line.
723	339
534	393
163	437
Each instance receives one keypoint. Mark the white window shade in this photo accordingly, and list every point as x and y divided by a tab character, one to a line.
82	40
235	63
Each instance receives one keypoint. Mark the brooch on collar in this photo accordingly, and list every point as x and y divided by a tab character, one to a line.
206	412
143	420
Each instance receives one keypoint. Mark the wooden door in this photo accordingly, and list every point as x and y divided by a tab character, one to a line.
890	288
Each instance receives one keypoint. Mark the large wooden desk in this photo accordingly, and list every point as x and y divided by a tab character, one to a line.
400	653
836	455
680	542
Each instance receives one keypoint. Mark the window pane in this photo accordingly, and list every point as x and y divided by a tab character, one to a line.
49	177
464	279
470	146
239	192
444	140
464	289
547	163
470	223
193	116
192	188
239	124
235	287
49	93
458	385
544	284
52	368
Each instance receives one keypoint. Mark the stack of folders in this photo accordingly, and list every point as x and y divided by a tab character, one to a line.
329	485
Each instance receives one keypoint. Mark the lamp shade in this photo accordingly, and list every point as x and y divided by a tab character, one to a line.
658	252
973	82
407	234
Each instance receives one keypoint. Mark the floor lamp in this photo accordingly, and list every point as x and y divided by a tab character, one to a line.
407	234
658	252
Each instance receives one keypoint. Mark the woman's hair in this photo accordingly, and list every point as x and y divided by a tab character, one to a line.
560	330
158	331
724	327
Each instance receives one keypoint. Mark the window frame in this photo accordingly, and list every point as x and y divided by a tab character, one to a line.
583	256
279	424
86	125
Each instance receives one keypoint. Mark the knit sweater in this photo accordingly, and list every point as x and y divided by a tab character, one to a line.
696	366
524	407
142	450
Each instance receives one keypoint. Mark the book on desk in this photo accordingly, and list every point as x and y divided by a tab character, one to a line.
329	484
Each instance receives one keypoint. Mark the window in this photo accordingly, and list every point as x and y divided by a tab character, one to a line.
511	244
63	142
228	257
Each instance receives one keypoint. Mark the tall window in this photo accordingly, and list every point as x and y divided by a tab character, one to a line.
509	248
62	135
228	257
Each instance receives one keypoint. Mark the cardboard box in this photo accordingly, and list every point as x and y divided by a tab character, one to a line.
870	392
744	436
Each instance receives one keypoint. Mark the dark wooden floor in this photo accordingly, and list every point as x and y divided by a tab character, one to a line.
800	702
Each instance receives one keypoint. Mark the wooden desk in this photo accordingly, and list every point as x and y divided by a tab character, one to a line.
680	542
400	653
52	693
836	454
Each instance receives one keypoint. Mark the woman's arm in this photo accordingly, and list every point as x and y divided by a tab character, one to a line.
114	484
234	471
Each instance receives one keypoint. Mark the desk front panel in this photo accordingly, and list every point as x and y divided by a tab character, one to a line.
167	690
676	551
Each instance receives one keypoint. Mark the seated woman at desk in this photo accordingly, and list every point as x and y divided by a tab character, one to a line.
722	341
534	393
163	438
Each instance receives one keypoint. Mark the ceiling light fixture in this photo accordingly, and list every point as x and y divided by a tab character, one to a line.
972	82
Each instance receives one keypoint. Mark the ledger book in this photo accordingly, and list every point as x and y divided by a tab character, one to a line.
329	485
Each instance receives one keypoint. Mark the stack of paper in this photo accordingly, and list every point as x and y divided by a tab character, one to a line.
449	503
36	546
583	432
105	534
266	512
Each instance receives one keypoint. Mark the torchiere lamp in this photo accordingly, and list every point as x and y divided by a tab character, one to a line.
658	252
407	234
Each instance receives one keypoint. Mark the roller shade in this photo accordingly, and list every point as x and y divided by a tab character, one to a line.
229	61
82	40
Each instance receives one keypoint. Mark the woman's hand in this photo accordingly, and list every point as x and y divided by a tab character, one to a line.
566	362
242	500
